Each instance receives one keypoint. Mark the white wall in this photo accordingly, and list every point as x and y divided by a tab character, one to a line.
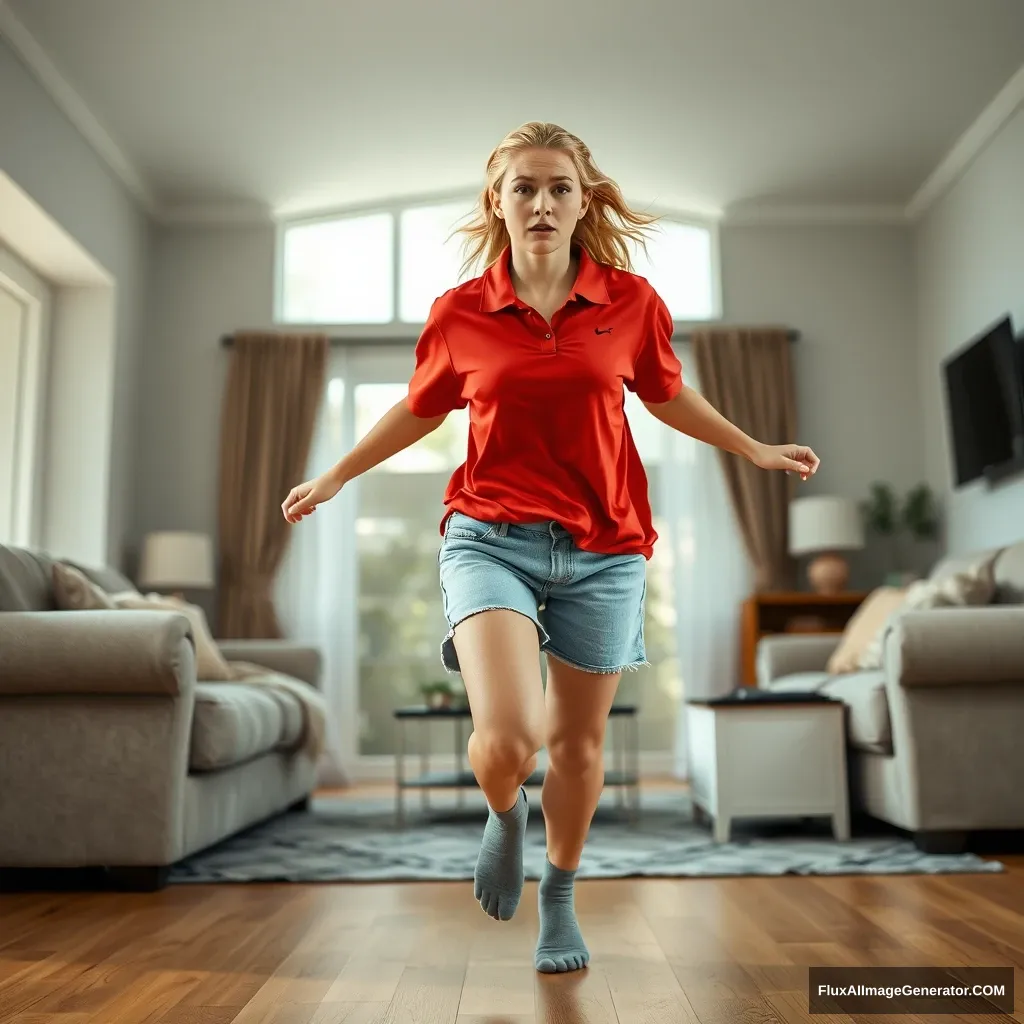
47	157
206	282
970	266
849	290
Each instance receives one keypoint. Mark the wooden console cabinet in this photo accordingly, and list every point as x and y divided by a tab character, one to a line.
790	611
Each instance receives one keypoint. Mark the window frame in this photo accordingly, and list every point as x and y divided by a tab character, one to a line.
399	329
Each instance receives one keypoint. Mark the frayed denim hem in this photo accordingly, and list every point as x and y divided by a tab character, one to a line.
632	667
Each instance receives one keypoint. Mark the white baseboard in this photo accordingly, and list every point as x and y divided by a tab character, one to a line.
381	767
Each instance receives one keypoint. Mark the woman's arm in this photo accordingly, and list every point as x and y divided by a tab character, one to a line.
395	431
691	413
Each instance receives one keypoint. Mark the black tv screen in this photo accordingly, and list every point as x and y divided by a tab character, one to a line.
984	402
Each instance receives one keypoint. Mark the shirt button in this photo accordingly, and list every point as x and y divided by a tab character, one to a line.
547	335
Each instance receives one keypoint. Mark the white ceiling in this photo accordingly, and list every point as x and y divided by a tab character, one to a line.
701	104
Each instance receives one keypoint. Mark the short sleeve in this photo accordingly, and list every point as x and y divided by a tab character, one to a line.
435	388
657	371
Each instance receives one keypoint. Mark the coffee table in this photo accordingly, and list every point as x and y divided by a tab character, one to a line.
768	761
624	777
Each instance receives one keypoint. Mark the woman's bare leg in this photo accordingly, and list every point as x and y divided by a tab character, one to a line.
499	660
578	704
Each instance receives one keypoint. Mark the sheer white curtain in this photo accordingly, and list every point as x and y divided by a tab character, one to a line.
316	588
711	571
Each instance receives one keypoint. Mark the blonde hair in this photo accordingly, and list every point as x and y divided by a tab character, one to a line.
602	232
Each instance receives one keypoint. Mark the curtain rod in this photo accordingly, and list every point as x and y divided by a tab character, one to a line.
227	340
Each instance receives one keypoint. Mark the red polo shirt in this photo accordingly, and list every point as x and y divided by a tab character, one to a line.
548	432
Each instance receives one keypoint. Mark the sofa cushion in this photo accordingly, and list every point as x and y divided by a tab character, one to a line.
25	581
969	588
867	708
73	591
1009	575
863	626
799	682
867	720
234	722
106	578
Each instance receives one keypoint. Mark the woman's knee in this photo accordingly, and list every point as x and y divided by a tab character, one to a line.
576	754
504	752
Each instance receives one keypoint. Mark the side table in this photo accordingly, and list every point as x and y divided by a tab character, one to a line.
768	760
624	777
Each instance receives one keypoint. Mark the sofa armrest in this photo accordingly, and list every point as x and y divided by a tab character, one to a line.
957	647
288	657
95	652
786	653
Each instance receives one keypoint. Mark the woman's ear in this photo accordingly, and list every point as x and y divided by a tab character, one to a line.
585	205
496	205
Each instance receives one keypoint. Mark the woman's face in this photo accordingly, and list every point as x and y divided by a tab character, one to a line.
540	200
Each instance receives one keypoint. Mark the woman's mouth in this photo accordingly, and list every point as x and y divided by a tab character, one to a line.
542	229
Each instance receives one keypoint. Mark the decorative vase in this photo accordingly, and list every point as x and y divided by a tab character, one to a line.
828	574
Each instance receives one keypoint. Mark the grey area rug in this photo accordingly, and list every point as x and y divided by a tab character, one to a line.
342	840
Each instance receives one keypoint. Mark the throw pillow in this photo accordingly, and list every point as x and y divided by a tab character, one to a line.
210	663
73	591
864	624
973	587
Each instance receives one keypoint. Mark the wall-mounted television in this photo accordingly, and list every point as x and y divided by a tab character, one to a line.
984	384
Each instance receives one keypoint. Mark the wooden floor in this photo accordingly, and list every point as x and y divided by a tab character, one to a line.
716	951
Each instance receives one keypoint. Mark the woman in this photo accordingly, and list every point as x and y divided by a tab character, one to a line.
548	527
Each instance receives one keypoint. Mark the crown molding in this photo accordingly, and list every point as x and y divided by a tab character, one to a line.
812	214
73	106
969	146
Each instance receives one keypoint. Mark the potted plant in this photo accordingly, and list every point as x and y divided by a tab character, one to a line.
441	693
886	516
920	514
880	512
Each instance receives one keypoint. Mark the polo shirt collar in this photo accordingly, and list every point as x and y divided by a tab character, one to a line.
498	293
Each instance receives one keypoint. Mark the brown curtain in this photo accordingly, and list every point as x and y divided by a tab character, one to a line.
746	374
273	395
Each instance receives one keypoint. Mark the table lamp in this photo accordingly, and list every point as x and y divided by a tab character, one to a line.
825	526
176	560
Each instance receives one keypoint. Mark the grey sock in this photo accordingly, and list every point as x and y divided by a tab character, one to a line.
498	879
560	946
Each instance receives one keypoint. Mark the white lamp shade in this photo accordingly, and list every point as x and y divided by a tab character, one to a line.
176	560
824	524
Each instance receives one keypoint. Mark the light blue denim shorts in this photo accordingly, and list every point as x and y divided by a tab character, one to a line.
588	607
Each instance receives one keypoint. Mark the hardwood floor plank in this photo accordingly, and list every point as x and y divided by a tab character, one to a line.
490	989
582	997
349	1013
663	951
426	995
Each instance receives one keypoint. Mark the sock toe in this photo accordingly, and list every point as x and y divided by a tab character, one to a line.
560	945
498	878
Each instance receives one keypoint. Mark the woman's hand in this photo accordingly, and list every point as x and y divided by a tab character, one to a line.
302	500
793	458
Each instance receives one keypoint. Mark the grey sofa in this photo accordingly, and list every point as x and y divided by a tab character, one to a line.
113	754
934	737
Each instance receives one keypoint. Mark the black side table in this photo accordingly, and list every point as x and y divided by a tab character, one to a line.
624	777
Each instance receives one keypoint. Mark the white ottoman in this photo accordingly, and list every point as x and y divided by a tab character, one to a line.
768	760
